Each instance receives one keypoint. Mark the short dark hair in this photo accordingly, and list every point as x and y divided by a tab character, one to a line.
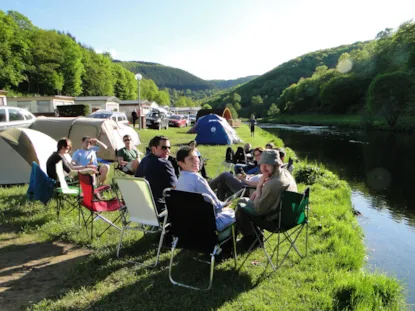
257	149
85	138
64	142
271	145
192	141
183	153
281	152
126	136
155	141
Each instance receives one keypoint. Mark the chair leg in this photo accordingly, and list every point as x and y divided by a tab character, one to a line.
163	232
212	267
120	242
234	246
262	245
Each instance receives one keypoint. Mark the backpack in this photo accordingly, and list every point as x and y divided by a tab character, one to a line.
239	156
229	155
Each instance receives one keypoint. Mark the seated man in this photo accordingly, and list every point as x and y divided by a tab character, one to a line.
87	156
157	169
252	167
262	207
128	157
227	184
190	180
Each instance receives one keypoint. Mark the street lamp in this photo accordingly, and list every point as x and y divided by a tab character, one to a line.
138	77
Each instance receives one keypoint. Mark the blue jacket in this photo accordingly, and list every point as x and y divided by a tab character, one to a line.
41	186
159	174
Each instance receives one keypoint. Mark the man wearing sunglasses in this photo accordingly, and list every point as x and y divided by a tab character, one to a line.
157	169
87	156
128	157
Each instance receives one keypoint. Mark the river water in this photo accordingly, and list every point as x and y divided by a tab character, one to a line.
380	170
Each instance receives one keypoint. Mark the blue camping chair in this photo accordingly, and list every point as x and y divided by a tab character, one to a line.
41	186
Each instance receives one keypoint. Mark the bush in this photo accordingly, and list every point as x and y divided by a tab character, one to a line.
73	110
310	174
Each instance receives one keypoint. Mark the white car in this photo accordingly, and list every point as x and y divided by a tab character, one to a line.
15	117
118	117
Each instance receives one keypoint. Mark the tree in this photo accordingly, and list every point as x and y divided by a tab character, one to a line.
232	110
273	110
163	98
71	66
206	106
390	94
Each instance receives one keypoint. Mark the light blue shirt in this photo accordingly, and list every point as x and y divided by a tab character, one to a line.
193	182
84	157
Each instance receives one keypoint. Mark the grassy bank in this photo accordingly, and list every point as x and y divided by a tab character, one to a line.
405	124
330	278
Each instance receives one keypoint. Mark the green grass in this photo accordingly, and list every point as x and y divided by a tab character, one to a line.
331	277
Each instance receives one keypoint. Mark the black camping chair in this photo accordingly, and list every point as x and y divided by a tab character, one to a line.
193	226
292	218
240	156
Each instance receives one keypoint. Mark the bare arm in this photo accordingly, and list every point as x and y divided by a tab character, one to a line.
99	143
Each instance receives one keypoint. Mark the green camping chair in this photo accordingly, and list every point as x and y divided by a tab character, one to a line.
292	218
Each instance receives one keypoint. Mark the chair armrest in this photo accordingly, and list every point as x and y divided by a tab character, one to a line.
102	188
163	213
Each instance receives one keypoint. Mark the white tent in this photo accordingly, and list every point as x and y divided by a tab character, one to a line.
19	147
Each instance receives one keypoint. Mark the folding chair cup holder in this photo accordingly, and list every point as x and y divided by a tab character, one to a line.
195	230
90	200
141	210
292	218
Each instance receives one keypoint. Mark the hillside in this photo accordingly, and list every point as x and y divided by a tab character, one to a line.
167	77
271	84
226	84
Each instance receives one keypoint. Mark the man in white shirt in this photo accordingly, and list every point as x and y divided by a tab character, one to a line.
191	181
87	156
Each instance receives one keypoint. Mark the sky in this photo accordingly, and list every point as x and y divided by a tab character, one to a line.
215	39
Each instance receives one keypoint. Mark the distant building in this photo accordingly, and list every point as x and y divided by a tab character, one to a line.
110	103
142	107
3	98
41	104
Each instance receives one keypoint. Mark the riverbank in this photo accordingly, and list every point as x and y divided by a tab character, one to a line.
329	278
405	124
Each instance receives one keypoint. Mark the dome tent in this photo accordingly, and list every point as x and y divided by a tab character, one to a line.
214	130
19	147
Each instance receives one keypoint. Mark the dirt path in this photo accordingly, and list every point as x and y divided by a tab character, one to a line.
31	271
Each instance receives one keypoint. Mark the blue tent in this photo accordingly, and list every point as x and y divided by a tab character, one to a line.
214	130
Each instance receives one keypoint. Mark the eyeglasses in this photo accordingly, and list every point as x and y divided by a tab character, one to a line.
127	139
165	147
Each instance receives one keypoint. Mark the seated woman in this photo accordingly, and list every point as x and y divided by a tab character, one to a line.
193	144
191	181
64	147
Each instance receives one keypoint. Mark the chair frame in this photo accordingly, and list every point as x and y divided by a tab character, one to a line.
216	249
63	192
293	231
135	202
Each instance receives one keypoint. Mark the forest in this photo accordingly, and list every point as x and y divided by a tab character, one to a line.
34	61
370	78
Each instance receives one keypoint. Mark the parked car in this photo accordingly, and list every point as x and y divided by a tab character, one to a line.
177	121
157	120
116	116
192	119
15	117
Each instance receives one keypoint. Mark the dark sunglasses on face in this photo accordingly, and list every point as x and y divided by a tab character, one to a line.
165	147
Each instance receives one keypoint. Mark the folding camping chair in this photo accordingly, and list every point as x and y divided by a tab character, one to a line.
41	185
292	218
65	193
193	226
139	201
96	206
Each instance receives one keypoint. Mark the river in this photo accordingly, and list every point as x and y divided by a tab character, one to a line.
378	166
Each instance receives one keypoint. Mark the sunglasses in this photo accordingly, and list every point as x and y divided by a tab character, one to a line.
165	147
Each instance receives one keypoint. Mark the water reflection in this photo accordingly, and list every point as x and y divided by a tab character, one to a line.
376	163
378	167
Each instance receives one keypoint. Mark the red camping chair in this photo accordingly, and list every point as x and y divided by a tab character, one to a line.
90	200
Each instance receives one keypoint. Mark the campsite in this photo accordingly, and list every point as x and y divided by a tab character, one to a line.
61	268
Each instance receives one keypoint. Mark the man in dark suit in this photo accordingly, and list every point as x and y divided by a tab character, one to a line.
157	169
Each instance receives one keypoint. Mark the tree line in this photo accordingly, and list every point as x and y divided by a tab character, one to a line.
34	61
370	78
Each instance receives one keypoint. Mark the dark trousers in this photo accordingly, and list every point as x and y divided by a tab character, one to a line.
245	214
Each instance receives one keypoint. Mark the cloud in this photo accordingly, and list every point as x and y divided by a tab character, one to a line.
112	51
